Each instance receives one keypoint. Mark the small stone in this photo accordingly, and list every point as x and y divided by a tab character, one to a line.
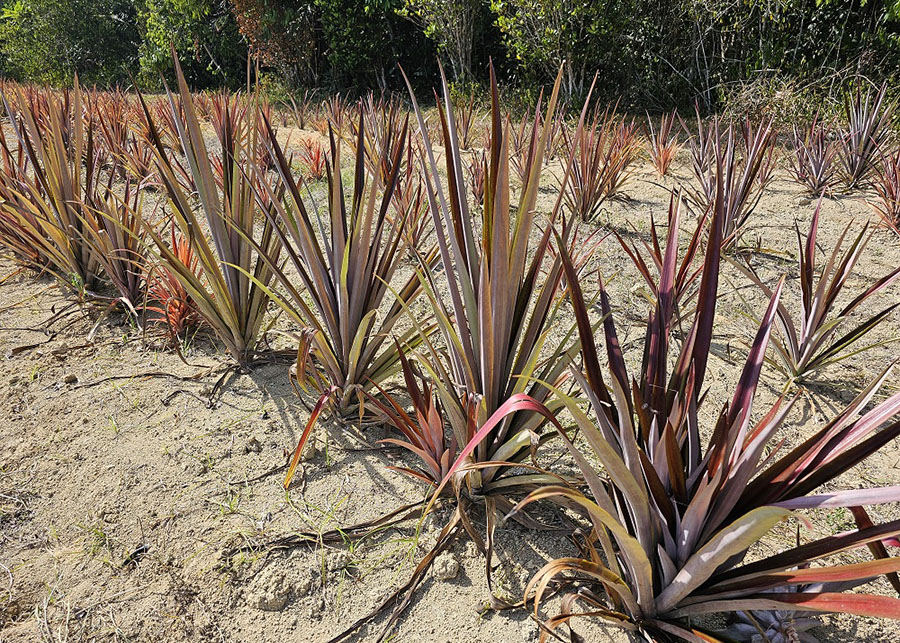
446	567
70	378
316	607
805	201
338	560
14	380
252	446
303	586
310	451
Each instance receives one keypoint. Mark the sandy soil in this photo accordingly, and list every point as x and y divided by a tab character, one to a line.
125	486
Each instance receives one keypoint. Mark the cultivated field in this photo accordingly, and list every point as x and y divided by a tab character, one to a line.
155	397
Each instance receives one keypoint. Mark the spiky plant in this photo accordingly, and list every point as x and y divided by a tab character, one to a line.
233	294
410	203
169	303
868	117
604	150
476	169
687	273
887	189
495	314
809	341
744	170
348	275
671	522
466	121
812	160
424	431
312	154
663	142
45	201
301	109
114	231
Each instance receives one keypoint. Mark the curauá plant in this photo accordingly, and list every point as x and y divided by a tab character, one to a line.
348	273
494	314
236	267
44	204
168	304
868	117
604	150
424	431
495	311
686	275
809	342
887	188
812	161
662	142
672	522
743	171
115	233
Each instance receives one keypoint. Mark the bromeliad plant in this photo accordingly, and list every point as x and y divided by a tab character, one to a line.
887	187
424	430
663	143
476	169
868	128
347	271
496	310
168	302
651	269
495	317
410	204
604	151
812	161
114	231
809	343
233	294
45	203
312	154
673	520
742	170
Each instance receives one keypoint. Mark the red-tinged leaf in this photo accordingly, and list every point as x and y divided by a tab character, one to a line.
613	349
585	330
877	547
515	404
840	463
742	401
295	460
811	551
804	576
843	498
709	281
859	604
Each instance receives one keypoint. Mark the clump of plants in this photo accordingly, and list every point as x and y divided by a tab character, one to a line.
824	333
672	516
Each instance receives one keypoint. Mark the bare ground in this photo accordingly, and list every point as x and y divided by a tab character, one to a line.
126	485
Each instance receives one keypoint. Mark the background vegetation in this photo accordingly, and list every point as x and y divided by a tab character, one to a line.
651	54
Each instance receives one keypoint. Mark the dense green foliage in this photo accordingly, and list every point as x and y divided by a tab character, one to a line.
49	40
204	34
652	53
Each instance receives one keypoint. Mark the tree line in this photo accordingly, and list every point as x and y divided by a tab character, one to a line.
653	53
